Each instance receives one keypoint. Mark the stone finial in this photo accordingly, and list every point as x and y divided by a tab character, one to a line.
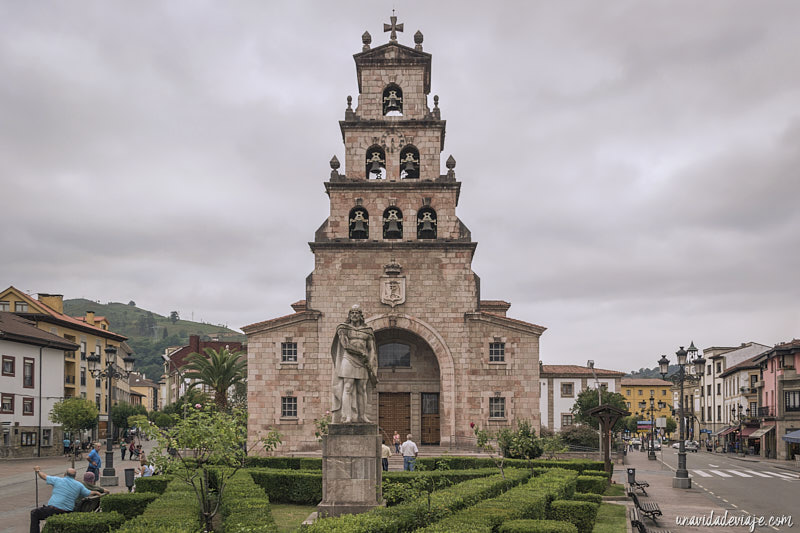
349	114
437	113
334	168
392	268
366	39
451	164
418	40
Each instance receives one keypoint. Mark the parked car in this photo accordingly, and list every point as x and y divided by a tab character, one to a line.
636	442
689	445
656	444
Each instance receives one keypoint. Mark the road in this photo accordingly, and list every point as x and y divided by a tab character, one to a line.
743	485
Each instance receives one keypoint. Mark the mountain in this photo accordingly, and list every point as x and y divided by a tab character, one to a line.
651	372
149	333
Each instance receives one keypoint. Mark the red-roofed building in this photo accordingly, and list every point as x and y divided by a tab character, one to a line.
560	386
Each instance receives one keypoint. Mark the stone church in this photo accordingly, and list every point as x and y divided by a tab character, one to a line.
393	244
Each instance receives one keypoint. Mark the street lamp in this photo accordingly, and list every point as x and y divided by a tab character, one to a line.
590	364
109	373
682	479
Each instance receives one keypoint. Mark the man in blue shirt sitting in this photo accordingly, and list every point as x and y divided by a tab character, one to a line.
95	463
66	490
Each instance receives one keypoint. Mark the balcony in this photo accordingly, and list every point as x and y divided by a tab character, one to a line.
766	412
69	356
69	380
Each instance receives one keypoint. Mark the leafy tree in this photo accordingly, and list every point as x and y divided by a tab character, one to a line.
553	445
520	443
132	303
123	410
580	435
174	316
483	439
219	370
672	425
192	397
75	415
587	399
206	439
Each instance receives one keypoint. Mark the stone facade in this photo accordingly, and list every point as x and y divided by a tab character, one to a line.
447	358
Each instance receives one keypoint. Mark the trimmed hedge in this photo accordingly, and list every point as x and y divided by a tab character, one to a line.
245	507
284	463
157	484
529	500
537	526
416	514
397	485
586	497
83	522
601	473
289	486
592	484
175	511
581	514
128	504
467	463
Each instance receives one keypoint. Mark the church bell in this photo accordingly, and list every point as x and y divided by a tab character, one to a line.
375	168
393	230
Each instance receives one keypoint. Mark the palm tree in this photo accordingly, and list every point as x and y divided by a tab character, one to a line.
217	370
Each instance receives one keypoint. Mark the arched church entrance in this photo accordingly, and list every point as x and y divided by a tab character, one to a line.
408	388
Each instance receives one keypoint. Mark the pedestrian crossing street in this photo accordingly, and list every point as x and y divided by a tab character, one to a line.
727	473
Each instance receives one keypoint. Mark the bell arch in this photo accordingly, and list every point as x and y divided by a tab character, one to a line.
444	358
409	162
392	101
358	223
376	162
392	223
426	223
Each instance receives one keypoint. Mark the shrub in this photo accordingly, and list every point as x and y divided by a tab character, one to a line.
245	507
128	504
397	485
415	514
284	463
601	473
593	484
155	484
581	514
83	522
289	486
465	463
537	526
586	497
175	511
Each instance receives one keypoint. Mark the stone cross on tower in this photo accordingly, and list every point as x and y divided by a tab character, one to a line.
394	27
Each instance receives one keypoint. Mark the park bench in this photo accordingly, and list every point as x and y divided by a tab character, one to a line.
649	509
638	485
638	525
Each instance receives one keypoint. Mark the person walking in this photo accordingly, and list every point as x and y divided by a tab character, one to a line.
66	490
95	463
409	451
396	440
122	449
386	452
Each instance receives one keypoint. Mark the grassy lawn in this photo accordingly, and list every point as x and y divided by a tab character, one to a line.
289	517
611	518
615	490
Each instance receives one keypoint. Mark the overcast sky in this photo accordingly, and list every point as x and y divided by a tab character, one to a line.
629	169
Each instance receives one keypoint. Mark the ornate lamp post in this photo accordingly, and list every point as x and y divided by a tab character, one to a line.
590	364
682	479
109	373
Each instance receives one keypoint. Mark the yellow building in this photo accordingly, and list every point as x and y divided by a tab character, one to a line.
638	390
147	390
90	332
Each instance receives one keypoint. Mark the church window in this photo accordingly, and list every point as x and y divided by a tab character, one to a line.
393	101
497	352
409	162
288	352
497	407
376	162
392	223
426	223
289	407
567	390
359	223
393	355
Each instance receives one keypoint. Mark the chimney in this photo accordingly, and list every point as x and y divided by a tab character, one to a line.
53	301
194	343
90	318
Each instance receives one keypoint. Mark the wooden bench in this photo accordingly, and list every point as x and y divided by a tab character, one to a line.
638	525
649	509
640	485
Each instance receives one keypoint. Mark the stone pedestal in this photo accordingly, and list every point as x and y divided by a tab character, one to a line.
351	469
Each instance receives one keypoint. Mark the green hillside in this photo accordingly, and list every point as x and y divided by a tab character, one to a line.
149	333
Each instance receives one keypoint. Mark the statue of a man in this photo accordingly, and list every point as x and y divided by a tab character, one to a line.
355	361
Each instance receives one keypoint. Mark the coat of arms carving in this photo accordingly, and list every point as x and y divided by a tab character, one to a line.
393	290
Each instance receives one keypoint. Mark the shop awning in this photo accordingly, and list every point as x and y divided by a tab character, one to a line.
721	432
761	432
727	431
748	431
794	436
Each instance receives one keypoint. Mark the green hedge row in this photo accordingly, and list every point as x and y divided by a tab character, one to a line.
417	513
83	523
537	526
128	504
581	514
284	463
529	500
585	497
397	485
592	484
289	486
175	511
245	507
157	484
466	463
601	473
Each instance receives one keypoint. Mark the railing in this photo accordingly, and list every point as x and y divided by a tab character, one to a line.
766	412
